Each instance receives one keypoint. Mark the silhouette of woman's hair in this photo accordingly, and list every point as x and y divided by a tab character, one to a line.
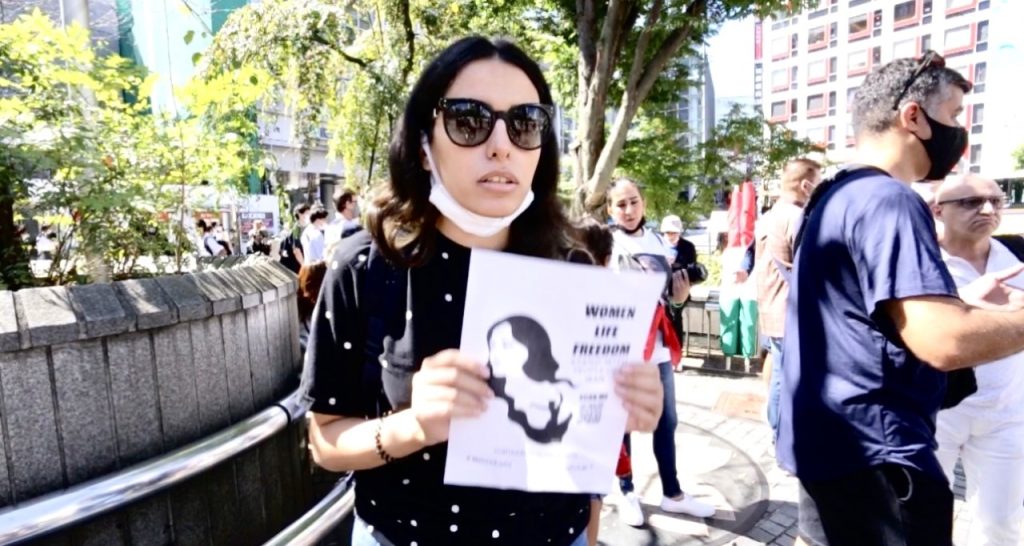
540	366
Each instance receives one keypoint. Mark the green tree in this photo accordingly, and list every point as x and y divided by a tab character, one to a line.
107	172
1019	157
347	65
741	147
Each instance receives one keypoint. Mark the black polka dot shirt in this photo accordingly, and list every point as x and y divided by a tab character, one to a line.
406	503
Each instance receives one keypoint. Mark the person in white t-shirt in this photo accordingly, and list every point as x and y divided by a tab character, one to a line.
633	241
986	430
313	244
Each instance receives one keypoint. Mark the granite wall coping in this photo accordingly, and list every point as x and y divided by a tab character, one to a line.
38	317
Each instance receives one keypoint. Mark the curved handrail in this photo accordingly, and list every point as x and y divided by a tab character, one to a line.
321	519
63	508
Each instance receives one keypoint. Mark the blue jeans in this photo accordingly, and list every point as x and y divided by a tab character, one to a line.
775	384
361	536
664	439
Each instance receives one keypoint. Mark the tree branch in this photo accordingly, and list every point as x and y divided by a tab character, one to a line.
641	47
670	48
410	40
362	63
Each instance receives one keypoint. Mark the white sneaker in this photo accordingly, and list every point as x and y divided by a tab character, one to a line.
689	506
629	510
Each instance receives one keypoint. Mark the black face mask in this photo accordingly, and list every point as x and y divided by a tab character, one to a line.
944	149
643	221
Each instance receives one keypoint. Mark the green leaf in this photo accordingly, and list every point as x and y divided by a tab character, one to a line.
196	57
189	35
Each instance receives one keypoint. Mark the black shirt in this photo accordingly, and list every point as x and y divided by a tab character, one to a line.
406	501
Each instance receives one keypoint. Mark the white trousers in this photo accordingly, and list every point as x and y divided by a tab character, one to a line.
992	451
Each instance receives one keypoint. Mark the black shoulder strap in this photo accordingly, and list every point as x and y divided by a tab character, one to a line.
1015	243
823	188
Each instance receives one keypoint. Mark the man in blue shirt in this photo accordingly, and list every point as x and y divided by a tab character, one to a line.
873	321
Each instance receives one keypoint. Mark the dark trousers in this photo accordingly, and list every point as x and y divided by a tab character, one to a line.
886	505
664	439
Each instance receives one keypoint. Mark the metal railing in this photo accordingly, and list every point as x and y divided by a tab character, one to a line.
84	501
321	519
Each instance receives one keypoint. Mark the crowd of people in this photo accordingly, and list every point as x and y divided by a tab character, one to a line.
878	295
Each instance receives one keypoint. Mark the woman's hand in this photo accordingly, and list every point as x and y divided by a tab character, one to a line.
642	394
449	384
680	288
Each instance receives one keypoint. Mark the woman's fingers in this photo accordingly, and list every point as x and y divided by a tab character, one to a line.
642	395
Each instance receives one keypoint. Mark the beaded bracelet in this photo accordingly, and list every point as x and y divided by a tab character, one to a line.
381	452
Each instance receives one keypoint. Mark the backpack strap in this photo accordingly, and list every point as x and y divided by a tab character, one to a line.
826	185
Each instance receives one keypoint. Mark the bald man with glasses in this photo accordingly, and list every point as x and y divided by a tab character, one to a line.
986	430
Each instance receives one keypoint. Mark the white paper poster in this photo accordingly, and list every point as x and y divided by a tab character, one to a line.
553	335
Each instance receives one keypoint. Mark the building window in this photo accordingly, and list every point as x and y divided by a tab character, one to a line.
980	70
780	79
977	118
926	42
817	71
780	47
817	38
959	40
858	62
816	105
831	99
851	94
817	135
905	14
792	106
779	110
982	32
859	27
904	49
959	6
975	156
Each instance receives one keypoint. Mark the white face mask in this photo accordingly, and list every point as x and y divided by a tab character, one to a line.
466	220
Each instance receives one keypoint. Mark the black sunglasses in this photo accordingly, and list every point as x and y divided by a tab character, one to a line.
973	203
929	60
469	122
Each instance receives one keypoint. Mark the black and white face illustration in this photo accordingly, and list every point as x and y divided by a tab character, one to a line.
523	374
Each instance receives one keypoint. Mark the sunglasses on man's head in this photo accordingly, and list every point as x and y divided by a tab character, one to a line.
973	203
469	122
929	60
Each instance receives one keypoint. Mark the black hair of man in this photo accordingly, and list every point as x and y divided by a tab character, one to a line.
874	103
343	199
300	209
318	214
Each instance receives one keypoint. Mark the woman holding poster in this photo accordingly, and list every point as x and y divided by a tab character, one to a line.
637	244
473	165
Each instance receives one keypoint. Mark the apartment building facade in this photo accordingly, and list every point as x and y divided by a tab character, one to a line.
808	66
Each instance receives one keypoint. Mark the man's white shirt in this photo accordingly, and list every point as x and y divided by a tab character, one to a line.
1001	382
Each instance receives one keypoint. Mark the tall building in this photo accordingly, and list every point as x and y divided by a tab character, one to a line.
696	106
808	66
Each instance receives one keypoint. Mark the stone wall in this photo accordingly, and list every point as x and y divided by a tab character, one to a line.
96	378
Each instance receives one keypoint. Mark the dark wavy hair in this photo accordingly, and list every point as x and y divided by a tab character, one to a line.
873	110
402	220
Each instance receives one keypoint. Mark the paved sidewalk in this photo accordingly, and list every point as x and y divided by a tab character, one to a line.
725	411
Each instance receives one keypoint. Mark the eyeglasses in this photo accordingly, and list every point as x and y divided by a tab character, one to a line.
930	59
469	122
974	203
